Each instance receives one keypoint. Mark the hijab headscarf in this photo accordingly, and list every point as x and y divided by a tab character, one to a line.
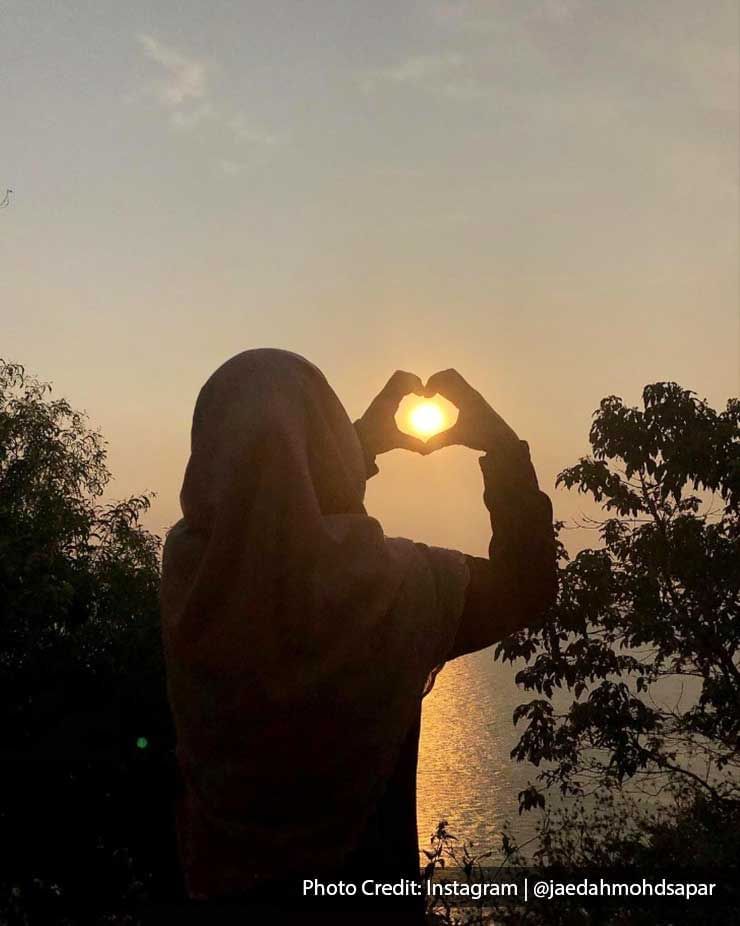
299	640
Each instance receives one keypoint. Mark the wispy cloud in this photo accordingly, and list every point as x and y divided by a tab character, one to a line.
188	119
229	167
485	16
417	70
244	131
183	79
184	93
560	10
448	74
420	68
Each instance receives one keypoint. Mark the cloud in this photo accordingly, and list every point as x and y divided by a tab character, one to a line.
246	132
560	10
485	16
465	15
184	78
420	68
416	70
450	75
183	92
229	167
188	119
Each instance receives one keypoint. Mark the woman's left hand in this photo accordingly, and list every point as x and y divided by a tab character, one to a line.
377	428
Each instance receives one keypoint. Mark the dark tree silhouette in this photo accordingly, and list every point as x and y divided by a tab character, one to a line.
86	755
658	602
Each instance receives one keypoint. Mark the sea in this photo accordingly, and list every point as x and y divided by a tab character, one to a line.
466	775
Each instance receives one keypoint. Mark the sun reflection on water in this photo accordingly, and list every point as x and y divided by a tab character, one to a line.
465	773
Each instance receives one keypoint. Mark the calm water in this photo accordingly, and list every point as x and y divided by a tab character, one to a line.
465	773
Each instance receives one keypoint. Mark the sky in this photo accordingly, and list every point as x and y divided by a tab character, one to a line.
540	193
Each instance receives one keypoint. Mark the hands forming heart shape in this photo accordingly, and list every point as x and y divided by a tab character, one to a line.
478	426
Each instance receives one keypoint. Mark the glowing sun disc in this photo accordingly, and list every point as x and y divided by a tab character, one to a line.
427	418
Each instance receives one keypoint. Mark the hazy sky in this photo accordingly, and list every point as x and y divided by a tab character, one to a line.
543	194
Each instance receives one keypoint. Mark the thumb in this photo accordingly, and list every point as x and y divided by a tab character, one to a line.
443	439
409	442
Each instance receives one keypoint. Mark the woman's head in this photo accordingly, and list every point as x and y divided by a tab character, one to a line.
266	420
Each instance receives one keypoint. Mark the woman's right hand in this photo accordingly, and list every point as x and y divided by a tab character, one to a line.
478	426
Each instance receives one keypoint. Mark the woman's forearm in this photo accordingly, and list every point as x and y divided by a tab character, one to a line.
515	586
522	550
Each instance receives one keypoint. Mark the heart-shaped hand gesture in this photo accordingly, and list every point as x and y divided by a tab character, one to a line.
478	426
377	428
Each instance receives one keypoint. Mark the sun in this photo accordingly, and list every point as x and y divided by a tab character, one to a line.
427	418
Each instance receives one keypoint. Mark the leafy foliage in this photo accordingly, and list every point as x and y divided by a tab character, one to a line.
654	609
87	738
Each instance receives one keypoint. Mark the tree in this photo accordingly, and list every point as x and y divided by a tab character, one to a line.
87	735
657	604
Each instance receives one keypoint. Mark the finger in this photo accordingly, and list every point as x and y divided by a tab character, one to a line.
451	385
409	442
443	439
402	384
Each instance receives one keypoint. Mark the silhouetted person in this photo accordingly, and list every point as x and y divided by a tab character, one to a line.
300	640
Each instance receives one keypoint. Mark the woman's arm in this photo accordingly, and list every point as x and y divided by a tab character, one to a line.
518	583
515	586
